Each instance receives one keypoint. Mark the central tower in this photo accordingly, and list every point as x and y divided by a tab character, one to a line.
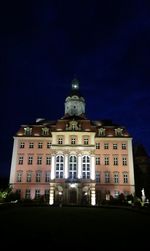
75	103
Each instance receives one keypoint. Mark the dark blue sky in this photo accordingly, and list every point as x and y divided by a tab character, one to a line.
44	43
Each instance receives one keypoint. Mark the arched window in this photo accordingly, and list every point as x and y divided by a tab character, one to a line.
59	167
72	167
86	167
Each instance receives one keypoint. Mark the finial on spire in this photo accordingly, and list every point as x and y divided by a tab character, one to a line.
75	84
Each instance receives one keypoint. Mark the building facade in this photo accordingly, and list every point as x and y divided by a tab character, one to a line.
73	160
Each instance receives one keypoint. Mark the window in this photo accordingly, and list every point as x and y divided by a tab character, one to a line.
97	177
60	140
19	176
118	132
72	167
125	178
106	146
115	146
28	194
106	160
30	160
48	160
45	131
101	131
18	191
115	161
47	177
86	167
39	160
29	175
27	131
124	161
22	144
124	146
86	141
49	144
107	177
20	161
116	178
97	160
97	145
40	145
31	145
59	167
37	193
73	140
38	176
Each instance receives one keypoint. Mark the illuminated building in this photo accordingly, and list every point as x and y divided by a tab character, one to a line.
73	160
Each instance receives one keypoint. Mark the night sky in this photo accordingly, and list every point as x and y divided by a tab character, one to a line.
44	44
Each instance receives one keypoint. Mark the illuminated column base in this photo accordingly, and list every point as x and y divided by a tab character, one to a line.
93	197
51	195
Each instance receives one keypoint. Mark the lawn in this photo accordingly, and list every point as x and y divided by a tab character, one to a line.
74	228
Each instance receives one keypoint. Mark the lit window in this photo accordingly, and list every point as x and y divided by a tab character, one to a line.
86	167
97	145
119	132
38	176
106	146
48	160
116	194
59	167
39	160
125	178
115	146
106	160
45	131
124	146
97	160
101	132
27	131
28	194
72	167
37	193
115	161
20	161
49	144
40	145
19	176
47	177
31	145
107	177
86	141
73	140
22	144
116	178
60	140
30	160
97	177
29	175
124	161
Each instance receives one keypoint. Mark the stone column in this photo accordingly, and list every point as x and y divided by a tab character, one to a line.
92	173
79	166
53	167
66	167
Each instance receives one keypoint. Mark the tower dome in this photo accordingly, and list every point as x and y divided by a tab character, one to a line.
75	103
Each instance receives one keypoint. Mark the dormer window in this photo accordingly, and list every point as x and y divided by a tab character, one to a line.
27	131
45	131
119	132
101	131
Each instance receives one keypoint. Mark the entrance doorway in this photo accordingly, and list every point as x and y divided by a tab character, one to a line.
73	196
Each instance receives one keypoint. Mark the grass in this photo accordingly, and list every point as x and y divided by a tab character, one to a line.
74	227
